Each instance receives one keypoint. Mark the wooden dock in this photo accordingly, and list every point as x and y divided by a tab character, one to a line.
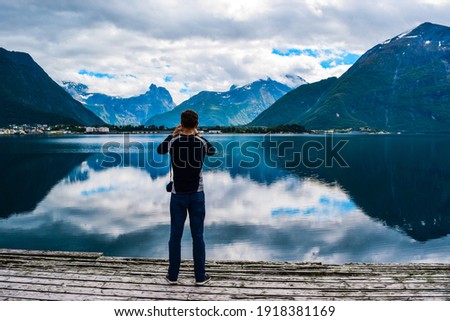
43	275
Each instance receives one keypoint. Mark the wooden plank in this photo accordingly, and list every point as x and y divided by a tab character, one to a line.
179	290
242	279
29	253
242	276
250	267
55	291
140	266
30	283
44	296
159	283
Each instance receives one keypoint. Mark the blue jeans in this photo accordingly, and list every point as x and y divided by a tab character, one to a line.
180	205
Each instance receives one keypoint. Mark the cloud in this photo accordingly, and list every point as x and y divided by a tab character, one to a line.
201	44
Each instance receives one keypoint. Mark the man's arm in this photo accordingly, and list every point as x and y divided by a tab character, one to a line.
163	148
210	149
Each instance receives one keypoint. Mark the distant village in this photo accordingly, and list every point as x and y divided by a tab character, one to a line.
44	129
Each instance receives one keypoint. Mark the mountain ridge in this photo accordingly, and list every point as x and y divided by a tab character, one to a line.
135	110
400	84
237	106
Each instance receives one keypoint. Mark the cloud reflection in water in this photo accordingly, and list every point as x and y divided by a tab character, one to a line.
123	211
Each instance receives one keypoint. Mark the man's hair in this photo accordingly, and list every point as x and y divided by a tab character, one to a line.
189	118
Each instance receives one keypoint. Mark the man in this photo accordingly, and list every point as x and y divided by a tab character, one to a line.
187	152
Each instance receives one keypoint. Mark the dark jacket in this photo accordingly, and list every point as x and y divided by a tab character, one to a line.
187	153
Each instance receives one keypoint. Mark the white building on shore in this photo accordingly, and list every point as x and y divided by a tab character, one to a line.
101	130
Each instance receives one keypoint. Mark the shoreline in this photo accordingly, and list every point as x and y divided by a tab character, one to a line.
316	133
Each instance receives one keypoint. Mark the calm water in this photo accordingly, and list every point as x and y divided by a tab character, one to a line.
347	198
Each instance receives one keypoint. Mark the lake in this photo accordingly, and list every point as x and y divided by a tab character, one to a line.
333	199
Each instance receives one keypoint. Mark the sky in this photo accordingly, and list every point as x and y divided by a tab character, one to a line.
121	47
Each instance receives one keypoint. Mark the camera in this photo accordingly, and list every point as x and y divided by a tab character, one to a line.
169	187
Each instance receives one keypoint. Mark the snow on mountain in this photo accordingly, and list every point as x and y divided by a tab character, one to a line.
123	111
293	81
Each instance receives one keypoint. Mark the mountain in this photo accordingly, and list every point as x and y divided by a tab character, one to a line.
296	102
123	111
402	84
238	106
29	95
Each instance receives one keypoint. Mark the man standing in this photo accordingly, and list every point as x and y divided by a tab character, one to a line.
187	152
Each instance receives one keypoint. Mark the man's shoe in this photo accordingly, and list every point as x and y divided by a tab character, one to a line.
206	280
171	282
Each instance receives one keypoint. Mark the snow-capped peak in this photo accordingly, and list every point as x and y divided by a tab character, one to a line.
293	81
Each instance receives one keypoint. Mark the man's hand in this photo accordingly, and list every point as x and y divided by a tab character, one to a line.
177	131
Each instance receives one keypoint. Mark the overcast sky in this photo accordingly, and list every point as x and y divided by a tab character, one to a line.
121	47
